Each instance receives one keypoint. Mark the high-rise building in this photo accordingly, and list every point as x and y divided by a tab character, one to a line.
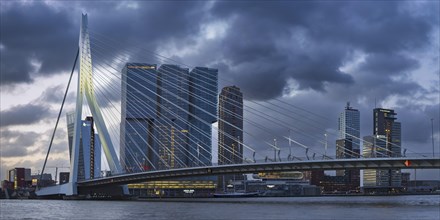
89	161
91	149
348	146
173	108
138	113
230	126
349	126
166	116
230	132
386	127
203	86
385	142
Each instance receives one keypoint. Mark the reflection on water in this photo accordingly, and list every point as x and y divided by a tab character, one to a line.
355	207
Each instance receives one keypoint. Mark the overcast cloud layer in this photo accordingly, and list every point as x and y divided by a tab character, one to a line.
317	55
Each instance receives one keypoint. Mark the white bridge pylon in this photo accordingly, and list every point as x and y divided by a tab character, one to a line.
85	88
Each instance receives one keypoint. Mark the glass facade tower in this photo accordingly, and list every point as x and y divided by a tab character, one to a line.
138	113
385	142
349	126
166	116
203	86
89	161
173	106
348	144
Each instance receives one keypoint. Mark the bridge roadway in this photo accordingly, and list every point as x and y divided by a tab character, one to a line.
339	164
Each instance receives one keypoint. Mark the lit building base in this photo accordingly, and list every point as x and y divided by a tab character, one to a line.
180	188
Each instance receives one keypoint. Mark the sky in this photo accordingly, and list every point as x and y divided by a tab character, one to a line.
313	54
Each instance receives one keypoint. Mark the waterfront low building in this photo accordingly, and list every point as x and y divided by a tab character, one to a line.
423	186
276	187
173	188
276	184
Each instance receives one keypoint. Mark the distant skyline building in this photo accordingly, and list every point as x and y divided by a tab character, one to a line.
385	142
89	161
230	126
203	87
386	127
348	144
138	113
349	126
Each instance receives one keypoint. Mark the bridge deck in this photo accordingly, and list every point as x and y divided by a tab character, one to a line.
370	163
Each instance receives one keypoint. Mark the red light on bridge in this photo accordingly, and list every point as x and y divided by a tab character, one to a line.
407	163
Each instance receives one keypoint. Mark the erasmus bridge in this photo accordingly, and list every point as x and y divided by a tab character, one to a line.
160	120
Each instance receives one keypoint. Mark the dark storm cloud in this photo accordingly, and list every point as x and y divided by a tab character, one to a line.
313	40
150	23
34	32
23	114
384	64
37	32
267	43
139	30
374	26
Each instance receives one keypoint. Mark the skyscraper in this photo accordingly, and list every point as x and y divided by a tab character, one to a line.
138	113
89	161
349	126
230	126
91	147
348	144
386	127
203	85
173	108
385	142
166	116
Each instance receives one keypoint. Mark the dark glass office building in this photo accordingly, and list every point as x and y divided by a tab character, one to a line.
348	146
89	158
138	113
166	116
385	142
386	127
203	86
349	126
172	124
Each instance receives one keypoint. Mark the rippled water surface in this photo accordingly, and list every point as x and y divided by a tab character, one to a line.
355	207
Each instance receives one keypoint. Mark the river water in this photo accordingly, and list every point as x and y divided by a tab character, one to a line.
352	207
